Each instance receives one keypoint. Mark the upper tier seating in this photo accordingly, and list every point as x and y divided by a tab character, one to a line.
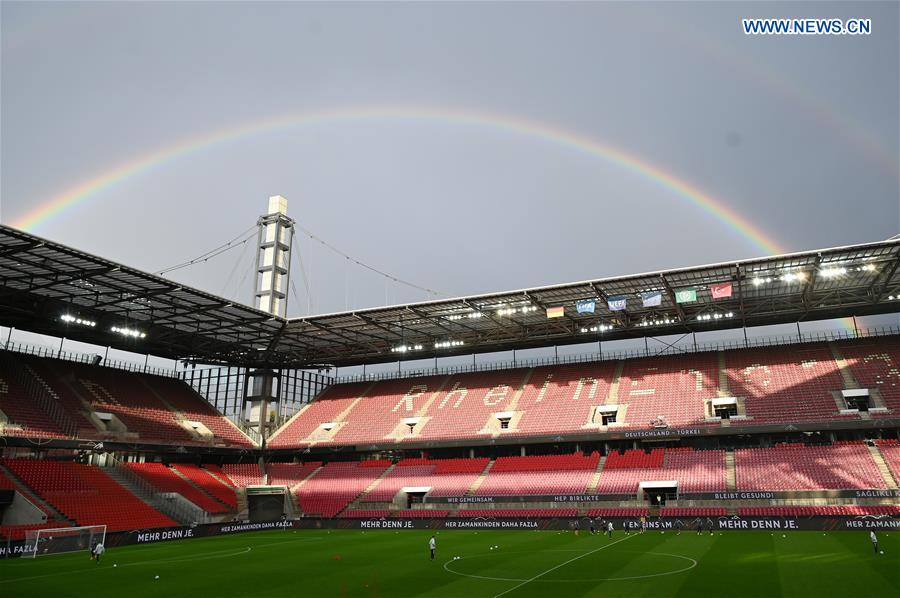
799	467
166	480
539	475
445	477
86	494
195	408
21	410
673	388
772	384
561	397
695	471
875	364
786	383
330	404
332	488
152	408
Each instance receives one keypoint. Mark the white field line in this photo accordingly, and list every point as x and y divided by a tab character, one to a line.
550	570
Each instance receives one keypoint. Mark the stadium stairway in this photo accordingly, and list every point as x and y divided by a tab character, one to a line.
370	487
23	489
178	415
613	397
150	496
200	488
723	374
730	472
849	380
41	413
883	467
595	479
480	479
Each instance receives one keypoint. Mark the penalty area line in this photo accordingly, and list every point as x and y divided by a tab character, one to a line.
551	569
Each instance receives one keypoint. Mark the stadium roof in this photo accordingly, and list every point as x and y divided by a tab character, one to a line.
42	281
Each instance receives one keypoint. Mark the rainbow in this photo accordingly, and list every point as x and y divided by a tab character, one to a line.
90	188
45	211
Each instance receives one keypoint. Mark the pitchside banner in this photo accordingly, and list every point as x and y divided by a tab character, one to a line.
598	498
528	498
861	523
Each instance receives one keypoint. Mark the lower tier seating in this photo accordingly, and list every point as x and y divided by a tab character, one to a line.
86	494
166	480
801	467
565	512
695	471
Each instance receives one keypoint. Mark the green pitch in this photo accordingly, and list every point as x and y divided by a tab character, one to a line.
525	563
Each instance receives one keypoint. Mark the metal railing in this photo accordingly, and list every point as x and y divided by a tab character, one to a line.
168	507
77	357
724	345
40	395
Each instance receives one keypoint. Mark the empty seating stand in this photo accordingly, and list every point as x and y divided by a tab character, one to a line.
25	416
800	382
444	477
695	471
539	475
785	384
243	474
202	479
800	467
823	511
152	408
290	474
334	486
87	495
890	450
164	479
512	513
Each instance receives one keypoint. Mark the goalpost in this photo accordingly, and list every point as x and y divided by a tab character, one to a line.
59	540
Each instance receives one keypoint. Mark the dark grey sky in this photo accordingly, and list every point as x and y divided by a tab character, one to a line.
799	135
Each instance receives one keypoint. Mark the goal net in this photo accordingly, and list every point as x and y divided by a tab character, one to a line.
58	540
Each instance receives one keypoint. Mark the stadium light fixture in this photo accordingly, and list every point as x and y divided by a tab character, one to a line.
130	332
70	319
406	348
793	276
832	272
448	344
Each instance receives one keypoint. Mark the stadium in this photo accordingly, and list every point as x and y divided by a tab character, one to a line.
766	446
595	299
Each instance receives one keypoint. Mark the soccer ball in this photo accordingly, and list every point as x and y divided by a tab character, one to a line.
882	552
115	565
783	536
157	577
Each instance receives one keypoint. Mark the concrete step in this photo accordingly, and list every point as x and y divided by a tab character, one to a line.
480	479
199	489
883	467
847	377
730	471
32	497
723	375
595	479
146	494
